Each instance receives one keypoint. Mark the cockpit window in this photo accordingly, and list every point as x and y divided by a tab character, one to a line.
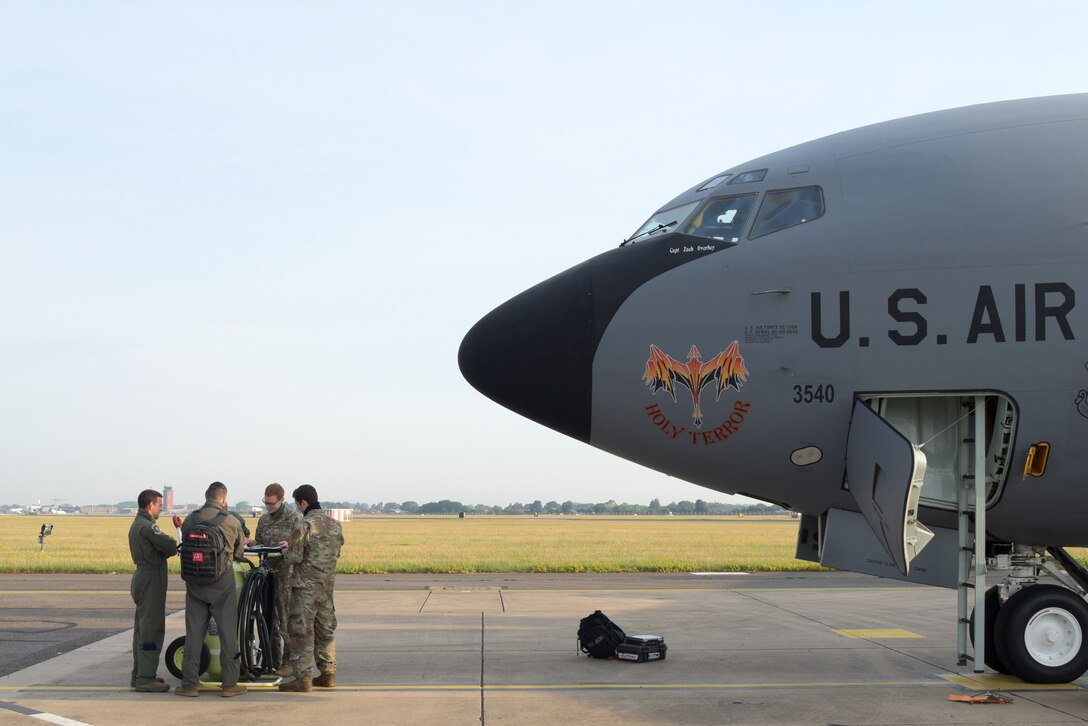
749	176
711	183
722	218
787	208
662	222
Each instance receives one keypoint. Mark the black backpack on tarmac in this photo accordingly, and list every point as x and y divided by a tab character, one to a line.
598	636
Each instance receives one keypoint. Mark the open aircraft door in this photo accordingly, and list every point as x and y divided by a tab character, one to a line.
884	471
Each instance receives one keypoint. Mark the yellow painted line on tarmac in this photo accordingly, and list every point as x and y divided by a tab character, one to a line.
472	627
1000	682
121	689
877	633
78	592
606	590
542	687
213	689
44	687
709	686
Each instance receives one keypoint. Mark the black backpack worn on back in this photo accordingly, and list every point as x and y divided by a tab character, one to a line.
202	552
598	636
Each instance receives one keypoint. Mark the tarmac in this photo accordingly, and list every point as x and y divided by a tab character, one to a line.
781	648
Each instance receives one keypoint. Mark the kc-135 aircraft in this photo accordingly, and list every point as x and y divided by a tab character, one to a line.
879	330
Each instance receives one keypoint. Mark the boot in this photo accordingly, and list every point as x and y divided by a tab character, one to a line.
235	690
152	687
284	670
299	684
187	692
325	680
133	683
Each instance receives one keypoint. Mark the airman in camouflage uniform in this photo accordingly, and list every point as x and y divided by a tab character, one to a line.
150	547
274	528
313	550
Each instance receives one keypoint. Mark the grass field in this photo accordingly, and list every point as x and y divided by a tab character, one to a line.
384	544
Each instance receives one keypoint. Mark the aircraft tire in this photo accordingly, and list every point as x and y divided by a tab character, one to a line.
992	604
1042	634
175	654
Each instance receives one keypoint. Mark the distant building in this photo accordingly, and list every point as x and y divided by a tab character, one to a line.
168	498
98	510
340	515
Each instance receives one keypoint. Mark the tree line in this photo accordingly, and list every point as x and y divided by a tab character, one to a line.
449	506
655	507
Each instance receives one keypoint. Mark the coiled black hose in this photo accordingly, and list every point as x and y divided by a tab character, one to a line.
256	615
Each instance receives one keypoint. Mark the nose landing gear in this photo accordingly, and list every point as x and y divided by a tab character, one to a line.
1040	633
1043	629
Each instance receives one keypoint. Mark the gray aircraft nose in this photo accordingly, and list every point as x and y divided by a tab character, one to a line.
534	353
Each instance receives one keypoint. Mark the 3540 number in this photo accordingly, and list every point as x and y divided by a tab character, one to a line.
809	393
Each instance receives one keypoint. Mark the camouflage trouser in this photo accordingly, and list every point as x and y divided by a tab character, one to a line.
311	626
281	643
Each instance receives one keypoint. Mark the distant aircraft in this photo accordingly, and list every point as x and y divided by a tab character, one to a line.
878	329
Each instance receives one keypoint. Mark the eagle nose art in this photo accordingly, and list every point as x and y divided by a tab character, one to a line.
534	355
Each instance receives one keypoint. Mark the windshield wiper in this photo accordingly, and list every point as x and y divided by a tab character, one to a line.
648	232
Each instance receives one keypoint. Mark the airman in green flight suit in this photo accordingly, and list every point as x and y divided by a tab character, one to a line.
150	547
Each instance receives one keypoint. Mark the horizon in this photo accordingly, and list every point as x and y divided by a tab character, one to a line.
131	504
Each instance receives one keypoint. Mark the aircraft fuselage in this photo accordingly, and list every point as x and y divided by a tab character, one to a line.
927	260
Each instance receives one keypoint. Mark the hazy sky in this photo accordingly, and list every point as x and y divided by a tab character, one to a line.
242	241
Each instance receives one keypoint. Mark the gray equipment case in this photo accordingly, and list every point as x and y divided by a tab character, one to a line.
642	648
